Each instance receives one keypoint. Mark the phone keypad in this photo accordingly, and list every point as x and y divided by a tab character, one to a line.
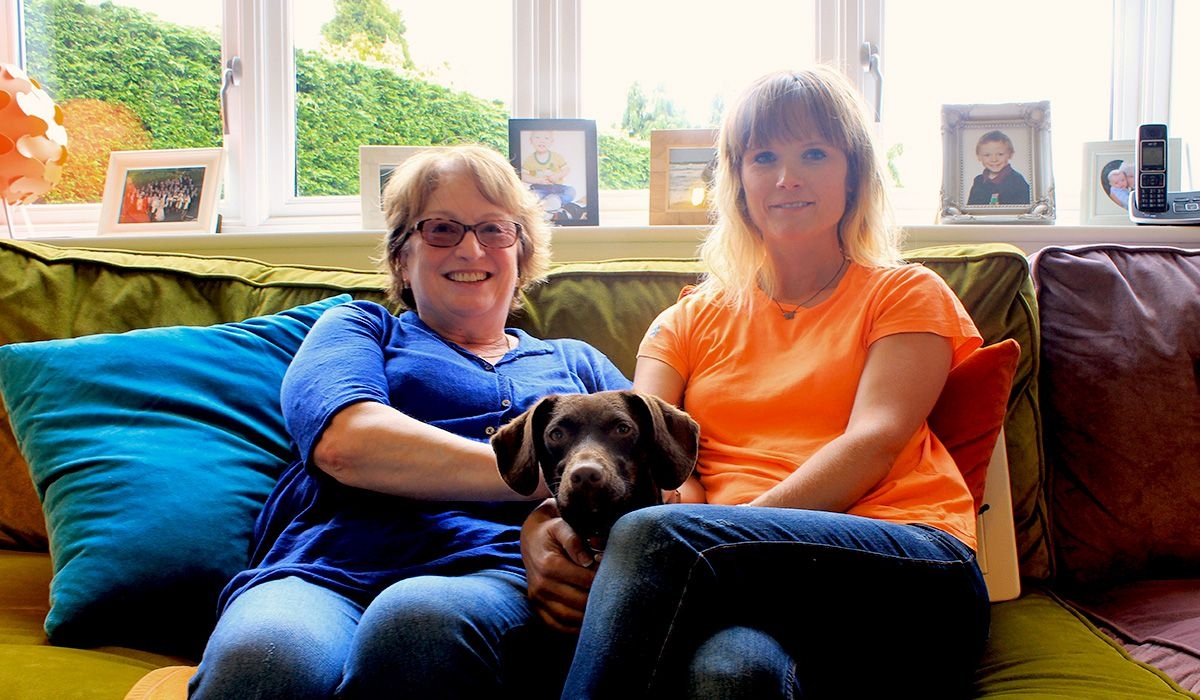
1152	199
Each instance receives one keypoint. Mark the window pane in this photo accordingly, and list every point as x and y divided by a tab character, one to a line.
977	54
673	65
146	77
403	73
1185	103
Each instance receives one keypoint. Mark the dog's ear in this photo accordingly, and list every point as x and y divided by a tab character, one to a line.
670	436
518	445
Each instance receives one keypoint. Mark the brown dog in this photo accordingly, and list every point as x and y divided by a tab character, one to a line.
602	454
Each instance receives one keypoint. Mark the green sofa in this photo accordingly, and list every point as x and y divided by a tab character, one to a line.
1056	640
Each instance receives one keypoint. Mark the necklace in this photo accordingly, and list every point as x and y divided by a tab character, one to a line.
492	357
789	315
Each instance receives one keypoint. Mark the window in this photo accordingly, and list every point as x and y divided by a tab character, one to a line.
1185	101
295	109
984	54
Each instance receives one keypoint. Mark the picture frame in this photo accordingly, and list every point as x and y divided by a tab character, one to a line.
566	182
681	172
1098	205
375	165
967	197
164	191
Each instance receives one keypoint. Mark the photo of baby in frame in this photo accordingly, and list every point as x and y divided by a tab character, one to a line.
556	158
1108	178
996	164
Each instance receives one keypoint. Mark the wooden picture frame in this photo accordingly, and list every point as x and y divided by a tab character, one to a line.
375	165
1098	204
164	191
557	159
1022	129
681	172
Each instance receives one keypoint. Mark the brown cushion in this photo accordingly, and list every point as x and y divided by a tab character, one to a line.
1121	410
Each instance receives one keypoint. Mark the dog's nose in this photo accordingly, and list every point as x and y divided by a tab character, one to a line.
586	474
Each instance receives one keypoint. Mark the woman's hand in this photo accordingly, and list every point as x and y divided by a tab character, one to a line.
559	568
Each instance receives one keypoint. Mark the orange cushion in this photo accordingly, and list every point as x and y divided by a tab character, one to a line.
970	412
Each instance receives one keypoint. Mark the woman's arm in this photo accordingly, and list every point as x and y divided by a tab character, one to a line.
903	376
372	446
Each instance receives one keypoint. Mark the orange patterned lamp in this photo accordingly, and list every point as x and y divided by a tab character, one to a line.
33	142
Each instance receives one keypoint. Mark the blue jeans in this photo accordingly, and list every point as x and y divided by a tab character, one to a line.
425	637
708	601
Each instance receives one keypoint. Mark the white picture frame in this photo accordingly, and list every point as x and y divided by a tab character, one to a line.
1027	126
164	191
1098	206
375	165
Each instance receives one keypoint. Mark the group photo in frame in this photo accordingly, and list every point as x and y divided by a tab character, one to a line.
165	191
996	163
556	158
375	166
1109	176
682	162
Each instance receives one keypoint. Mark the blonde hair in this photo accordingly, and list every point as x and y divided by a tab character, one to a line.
782	106
412	185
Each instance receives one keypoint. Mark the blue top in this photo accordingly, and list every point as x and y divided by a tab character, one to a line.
358	542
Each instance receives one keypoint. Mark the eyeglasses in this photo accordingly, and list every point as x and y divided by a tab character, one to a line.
447	233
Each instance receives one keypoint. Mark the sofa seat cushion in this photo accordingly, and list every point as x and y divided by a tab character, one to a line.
1042	647
31	668
1158	622
1120	380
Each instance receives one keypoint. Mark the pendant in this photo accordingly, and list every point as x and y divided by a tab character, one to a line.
789	315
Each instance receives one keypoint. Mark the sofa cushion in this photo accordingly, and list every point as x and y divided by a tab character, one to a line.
1121	379
1158	622
1042	647
152	452
30	668
54	292
970	411
993	282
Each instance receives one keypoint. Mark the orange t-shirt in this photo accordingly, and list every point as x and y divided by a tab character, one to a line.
768	392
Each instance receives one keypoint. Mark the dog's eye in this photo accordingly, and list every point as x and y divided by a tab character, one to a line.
556	434
624	428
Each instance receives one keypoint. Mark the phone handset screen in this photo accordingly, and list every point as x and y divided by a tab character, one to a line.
1153	155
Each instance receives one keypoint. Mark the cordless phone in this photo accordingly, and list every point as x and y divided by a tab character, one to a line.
1150	202
1151	159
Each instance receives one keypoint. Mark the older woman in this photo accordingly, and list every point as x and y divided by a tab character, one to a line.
387	558
830	552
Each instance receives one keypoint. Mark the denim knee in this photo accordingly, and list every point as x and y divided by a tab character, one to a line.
741	662
262	649
437	637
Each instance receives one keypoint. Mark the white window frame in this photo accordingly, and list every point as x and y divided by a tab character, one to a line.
546	84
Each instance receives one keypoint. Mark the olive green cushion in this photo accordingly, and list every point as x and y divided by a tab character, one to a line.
30	668
1040	647
53	292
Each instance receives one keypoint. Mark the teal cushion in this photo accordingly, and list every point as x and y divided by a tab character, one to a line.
152	452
